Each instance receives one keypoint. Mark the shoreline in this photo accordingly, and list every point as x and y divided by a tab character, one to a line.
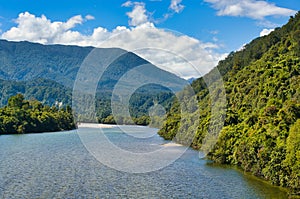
95	125
171	144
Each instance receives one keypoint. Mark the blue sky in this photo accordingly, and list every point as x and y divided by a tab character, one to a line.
208	29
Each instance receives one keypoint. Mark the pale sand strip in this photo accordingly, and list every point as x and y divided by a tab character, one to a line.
172	144
95	125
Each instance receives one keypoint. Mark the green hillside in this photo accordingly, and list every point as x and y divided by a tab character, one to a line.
46	91
261	128
21	61
27	61
48	72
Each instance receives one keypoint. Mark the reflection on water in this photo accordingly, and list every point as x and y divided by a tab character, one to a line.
56	165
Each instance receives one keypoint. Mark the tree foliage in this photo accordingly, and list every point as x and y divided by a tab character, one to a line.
261	128
31	116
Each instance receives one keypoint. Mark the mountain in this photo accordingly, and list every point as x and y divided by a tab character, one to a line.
260	131
190	80
47	91
48	73
26	61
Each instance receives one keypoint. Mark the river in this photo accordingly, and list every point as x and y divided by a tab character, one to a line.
58	165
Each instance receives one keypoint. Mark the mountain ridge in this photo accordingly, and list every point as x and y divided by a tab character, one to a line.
55	68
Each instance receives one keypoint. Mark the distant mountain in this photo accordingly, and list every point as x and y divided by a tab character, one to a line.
190	80
48	72
262	121
26	61
47	91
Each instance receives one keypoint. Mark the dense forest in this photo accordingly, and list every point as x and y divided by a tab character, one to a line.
52	93
31	116
48	73
260	130
46	91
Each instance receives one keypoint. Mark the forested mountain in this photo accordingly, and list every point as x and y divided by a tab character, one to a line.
46	91
261	128
26	61
47	73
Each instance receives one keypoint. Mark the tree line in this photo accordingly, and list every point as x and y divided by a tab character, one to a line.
31	116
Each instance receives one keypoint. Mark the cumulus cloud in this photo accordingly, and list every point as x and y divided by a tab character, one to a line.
168	50
185	56
138	15
176	6
265	32
42	30
249	8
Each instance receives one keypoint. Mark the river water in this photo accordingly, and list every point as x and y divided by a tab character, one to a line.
57	165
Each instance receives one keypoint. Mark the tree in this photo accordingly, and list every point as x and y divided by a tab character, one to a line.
16	101
292	161
23	116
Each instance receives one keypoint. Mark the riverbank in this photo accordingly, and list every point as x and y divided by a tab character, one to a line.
95	125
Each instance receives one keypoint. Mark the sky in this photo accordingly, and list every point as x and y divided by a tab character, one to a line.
186	37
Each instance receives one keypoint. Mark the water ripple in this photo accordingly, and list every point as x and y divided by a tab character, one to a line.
56	165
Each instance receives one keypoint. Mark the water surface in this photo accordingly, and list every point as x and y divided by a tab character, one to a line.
57	165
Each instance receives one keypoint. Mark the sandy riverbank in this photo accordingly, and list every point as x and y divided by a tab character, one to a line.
95	125
172	144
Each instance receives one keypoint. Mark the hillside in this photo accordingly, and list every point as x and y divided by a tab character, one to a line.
48	72
21	61
46	91
27	61
261	126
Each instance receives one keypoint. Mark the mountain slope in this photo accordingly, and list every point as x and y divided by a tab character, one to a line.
261	129
48	73
26	61
47	91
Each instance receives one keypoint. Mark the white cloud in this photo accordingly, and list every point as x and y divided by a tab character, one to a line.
249	8
138	15
156	45
127	4
40	29
267	24
176	6
265	32
168	50
89	17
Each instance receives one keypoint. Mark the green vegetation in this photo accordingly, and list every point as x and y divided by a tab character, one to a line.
52	93
21	61
48	73
44	90
261	128
140	104
31	116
